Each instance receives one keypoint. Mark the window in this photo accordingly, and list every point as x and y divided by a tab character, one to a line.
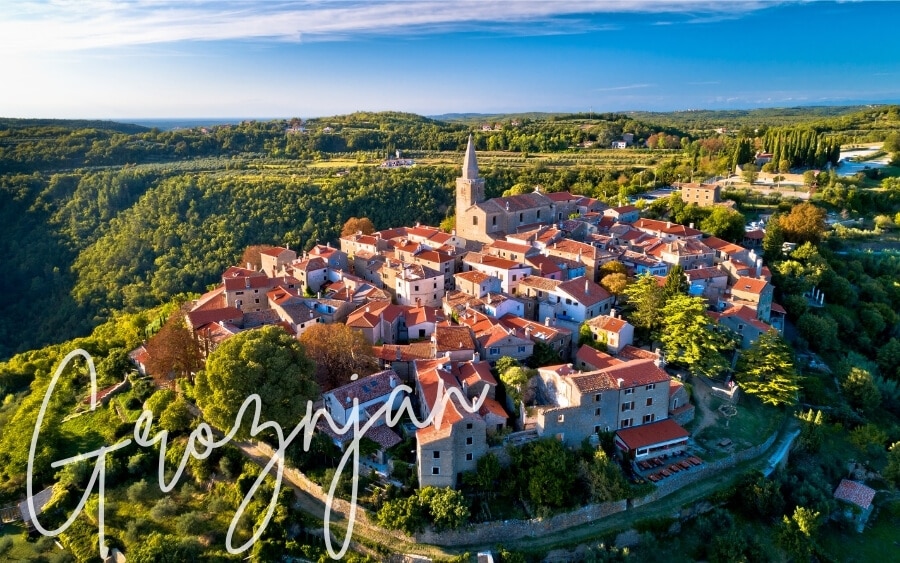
469	457
625	423
256	300
597	398
475	221
239	293
629	391
561	418
499	428
416	288
568	301
649	418
628	406
538	213
436	454
514	277
494	220
421	333
469	441
468	426
521	349
521	217
649	401
435	285
494	351
597	429
597	411
435	470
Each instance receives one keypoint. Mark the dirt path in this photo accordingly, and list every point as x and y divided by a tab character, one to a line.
702	394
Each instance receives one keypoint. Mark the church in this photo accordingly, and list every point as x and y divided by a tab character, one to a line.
493	219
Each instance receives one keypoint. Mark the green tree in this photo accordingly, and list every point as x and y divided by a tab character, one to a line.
646	300
446	508
515	381
766	370
615	284
773	240
812	430
860	389
724	223
809	178
177	416
612	267
889	359
797	534
551	474
892	471
484	478
805	223
265	361
158	402
676	283
688	339
749	173
543	355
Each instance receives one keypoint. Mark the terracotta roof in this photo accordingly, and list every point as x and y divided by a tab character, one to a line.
584	291
408	352
747	315
675	386
630	352
605	322
537	282
723	245
200	318
139	355
247	282
324	251
544	265
259	318
596	359
561	369
473	276
274	251
637	372
449	338
477	321
666	227
476	258
654	433
538	331
855	492
366	389
497	334
309	264
239	272
591	381
509	247
750	285
704	274
423	314
624	209
491	406
563	196
523	202
472	373
776	308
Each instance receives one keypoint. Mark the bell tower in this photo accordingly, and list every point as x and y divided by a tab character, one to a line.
469	187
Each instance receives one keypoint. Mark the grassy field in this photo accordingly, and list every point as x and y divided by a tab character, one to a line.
16	546
878	542
751	425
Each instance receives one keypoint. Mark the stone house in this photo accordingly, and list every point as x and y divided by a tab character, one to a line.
615	331
509	272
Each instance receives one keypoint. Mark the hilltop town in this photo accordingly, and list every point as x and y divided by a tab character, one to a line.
517	274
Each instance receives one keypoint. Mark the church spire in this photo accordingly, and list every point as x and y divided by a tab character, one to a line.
470	165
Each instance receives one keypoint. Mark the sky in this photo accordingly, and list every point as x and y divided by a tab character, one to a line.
106	59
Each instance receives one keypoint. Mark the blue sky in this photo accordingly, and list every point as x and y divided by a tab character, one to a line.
162	58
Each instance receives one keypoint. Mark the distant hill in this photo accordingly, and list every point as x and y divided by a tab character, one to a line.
12	123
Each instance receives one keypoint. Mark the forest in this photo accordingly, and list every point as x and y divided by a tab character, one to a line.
109	226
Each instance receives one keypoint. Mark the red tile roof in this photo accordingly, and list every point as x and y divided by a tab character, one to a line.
637	372
649	434
855	492
596	359
491	406
473	276
607	323
584	291
200	318
450	338
666	227
630	352
472	373
274	251
366	389
750	285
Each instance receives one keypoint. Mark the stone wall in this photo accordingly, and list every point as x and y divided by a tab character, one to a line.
498	532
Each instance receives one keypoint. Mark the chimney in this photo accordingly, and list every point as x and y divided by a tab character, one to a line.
249	266
368	309
759	268
619	382
393	382
527	332
612	313
546	321
247	283
668	224
660	362
691	225
399	355
586	285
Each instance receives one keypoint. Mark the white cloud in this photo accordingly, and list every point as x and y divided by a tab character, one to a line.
65	25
